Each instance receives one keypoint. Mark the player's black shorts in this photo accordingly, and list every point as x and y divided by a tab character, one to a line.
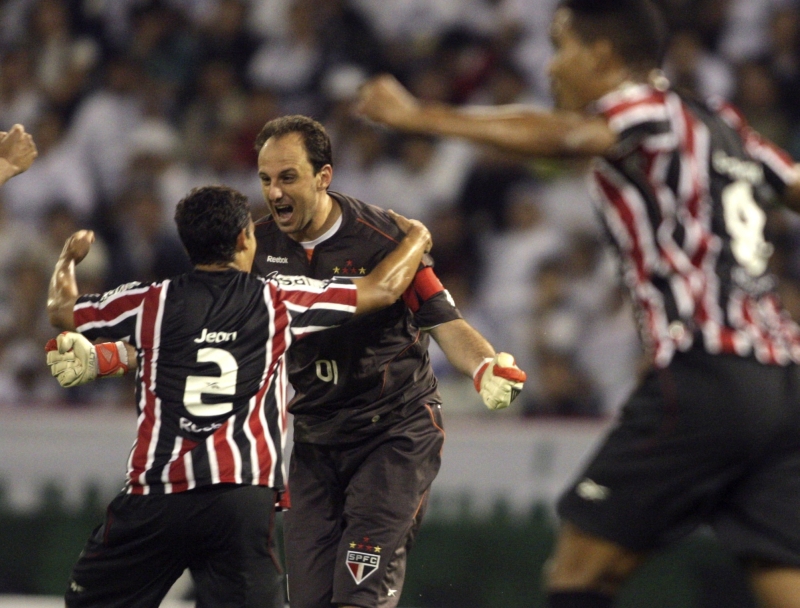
355	512
710	439
222	533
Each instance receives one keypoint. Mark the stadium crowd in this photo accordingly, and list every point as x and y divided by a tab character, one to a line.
132	103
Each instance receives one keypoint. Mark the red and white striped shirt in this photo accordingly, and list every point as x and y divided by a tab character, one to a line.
681	196
211	379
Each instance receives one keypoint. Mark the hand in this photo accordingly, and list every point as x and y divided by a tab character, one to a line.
384	100
499	381
74	361
77	246
413	227
17	149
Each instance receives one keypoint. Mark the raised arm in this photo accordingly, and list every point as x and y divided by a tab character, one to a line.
512	128
17	152
63	291
388	280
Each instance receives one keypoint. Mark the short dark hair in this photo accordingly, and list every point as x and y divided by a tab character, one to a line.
636	29
315	138
209	221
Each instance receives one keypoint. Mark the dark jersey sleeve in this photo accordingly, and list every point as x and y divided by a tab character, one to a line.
430	302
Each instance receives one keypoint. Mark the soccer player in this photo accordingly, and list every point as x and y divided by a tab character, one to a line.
17	152
367	413
712	433
205	472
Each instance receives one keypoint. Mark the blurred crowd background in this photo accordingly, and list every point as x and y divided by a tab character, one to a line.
132	103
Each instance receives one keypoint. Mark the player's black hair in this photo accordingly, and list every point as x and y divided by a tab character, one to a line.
315	138
636	29
209	221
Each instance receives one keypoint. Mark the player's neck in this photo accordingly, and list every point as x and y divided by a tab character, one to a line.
327	213
235	265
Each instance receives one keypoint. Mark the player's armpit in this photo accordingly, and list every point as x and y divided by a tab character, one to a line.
74	361
499	381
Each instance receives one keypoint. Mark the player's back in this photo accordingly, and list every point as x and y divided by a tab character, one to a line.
215	325
210	379
682	196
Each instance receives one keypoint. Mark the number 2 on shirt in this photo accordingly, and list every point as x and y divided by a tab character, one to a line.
224	384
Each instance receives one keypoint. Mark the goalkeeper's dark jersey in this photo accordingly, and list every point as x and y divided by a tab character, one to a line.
361	377
211	380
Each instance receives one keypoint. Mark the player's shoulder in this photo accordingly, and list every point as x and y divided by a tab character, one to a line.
368	221
126	290
728	113
634	104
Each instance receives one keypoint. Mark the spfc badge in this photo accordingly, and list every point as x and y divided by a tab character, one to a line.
361	565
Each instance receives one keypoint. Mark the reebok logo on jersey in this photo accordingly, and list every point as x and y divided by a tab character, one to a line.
187	425
277	260
215	336
361	565
591	490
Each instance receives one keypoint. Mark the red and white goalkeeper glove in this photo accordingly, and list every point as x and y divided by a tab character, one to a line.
73	360
499	381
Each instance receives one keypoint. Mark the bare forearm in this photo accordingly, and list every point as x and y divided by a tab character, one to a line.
389	279
62	295
463	345
517	129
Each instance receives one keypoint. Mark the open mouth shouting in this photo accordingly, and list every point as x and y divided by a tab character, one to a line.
283	212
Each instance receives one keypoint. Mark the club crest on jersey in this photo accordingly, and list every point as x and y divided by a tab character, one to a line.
350	269
360	563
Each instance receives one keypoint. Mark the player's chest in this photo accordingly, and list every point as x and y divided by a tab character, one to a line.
350	257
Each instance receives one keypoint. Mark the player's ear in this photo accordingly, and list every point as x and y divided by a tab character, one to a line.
244	238
324	177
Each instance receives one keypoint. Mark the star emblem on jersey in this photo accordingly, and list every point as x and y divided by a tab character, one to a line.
360	563
349	268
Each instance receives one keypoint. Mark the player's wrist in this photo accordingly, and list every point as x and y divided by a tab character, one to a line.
7	170
477	375
112	359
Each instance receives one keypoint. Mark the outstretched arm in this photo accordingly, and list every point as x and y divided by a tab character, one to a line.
512	128
63	291
17	152
388	280
463	345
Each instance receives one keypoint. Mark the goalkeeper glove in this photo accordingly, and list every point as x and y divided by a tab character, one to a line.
73	360
499	381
